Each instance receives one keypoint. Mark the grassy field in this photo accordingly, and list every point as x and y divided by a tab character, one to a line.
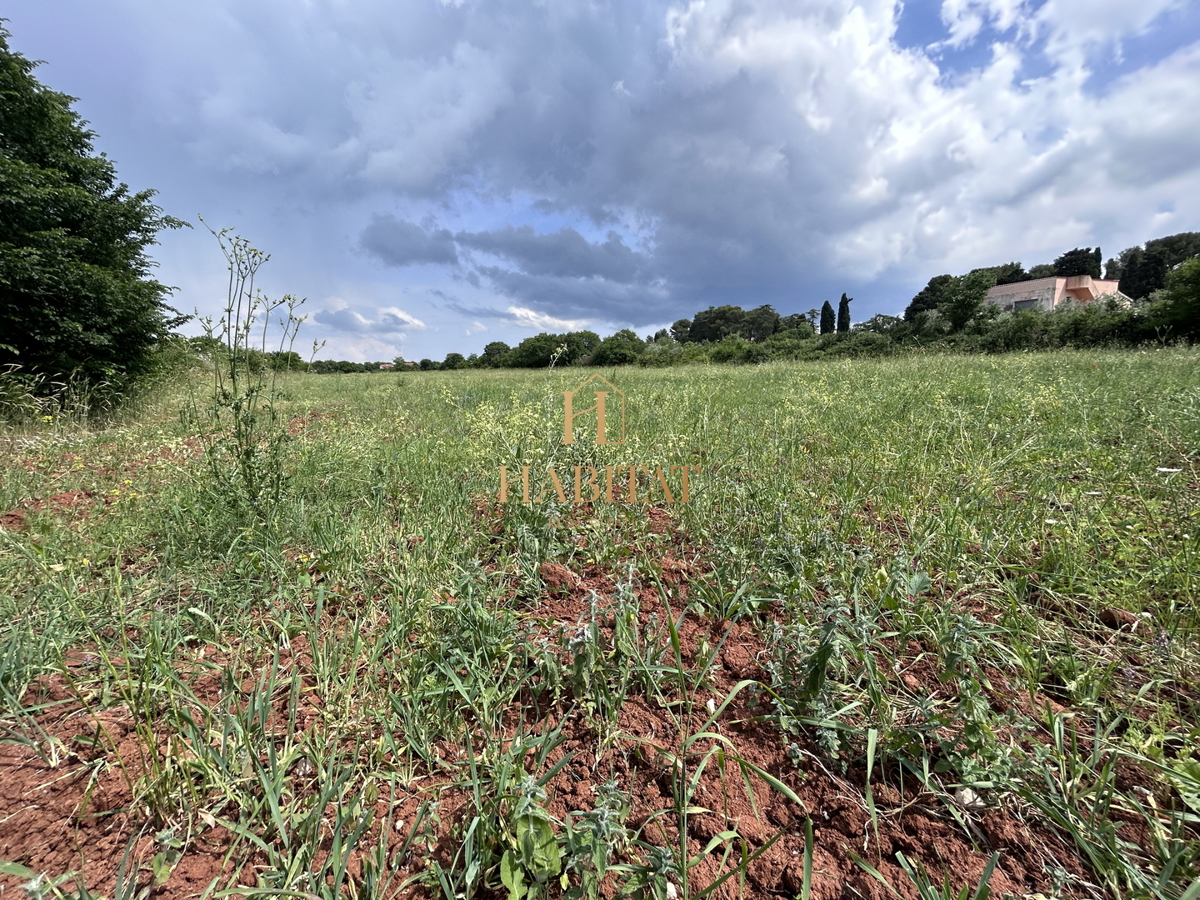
923	623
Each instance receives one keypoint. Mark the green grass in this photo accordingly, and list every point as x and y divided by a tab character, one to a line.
975	518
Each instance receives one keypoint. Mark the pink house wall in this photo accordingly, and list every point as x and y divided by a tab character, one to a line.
1048	293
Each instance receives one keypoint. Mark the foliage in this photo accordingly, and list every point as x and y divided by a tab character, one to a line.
716	323
243	434
963	298
828	323
1179	310
1080	261
843	315
76	299
929	297
618	349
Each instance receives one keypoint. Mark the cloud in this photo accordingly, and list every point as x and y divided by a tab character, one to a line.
398	243
519	317
392	316
535	321
388	320
564	253
631	163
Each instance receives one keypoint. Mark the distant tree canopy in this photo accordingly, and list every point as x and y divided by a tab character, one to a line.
494	354
618	349
929	297
75	292
1180	310
1080	261
715	323
1144	271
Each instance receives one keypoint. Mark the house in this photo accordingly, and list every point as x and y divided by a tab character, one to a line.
1047	293
387	365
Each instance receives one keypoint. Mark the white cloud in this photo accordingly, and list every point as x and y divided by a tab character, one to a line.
536	321
395	315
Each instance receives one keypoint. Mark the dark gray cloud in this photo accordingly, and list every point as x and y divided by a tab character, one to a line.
564	253
398	243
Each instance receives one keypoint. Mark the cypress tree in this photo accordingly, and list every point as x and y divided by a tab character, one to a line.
827	320
843	314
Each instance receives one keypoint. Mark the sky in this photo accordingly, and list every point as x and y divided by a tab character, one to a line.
434	175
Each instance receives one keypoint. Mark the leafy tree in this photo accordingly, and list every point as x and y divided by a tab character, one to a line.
828	323
495	355
580	345
843	315
797	322
454	361
75	291
716	322
1112	270
1176	248
1010	273
1143	273
760	323
929	297
534	352
428	365
681	330
1080	261
1180	309
284	360
619	349
964	298
1042	270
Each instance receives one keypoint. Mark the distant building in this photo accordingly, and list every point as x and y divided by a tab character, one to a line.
387	365
1047	293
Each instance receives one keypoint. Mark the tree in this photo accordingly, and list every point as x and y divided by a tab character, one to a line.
828	323
799	322
534	352
964	297
618	349
1080	261
495	355
760	323
1010	273
1143	272
286	360
1176	248
580	345
1041	270
454	361
843	315
680	330
75	292
929	297
1180	310
716	322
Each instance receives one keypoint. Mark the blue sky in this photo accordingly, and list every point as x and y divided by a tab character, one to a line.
434	175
